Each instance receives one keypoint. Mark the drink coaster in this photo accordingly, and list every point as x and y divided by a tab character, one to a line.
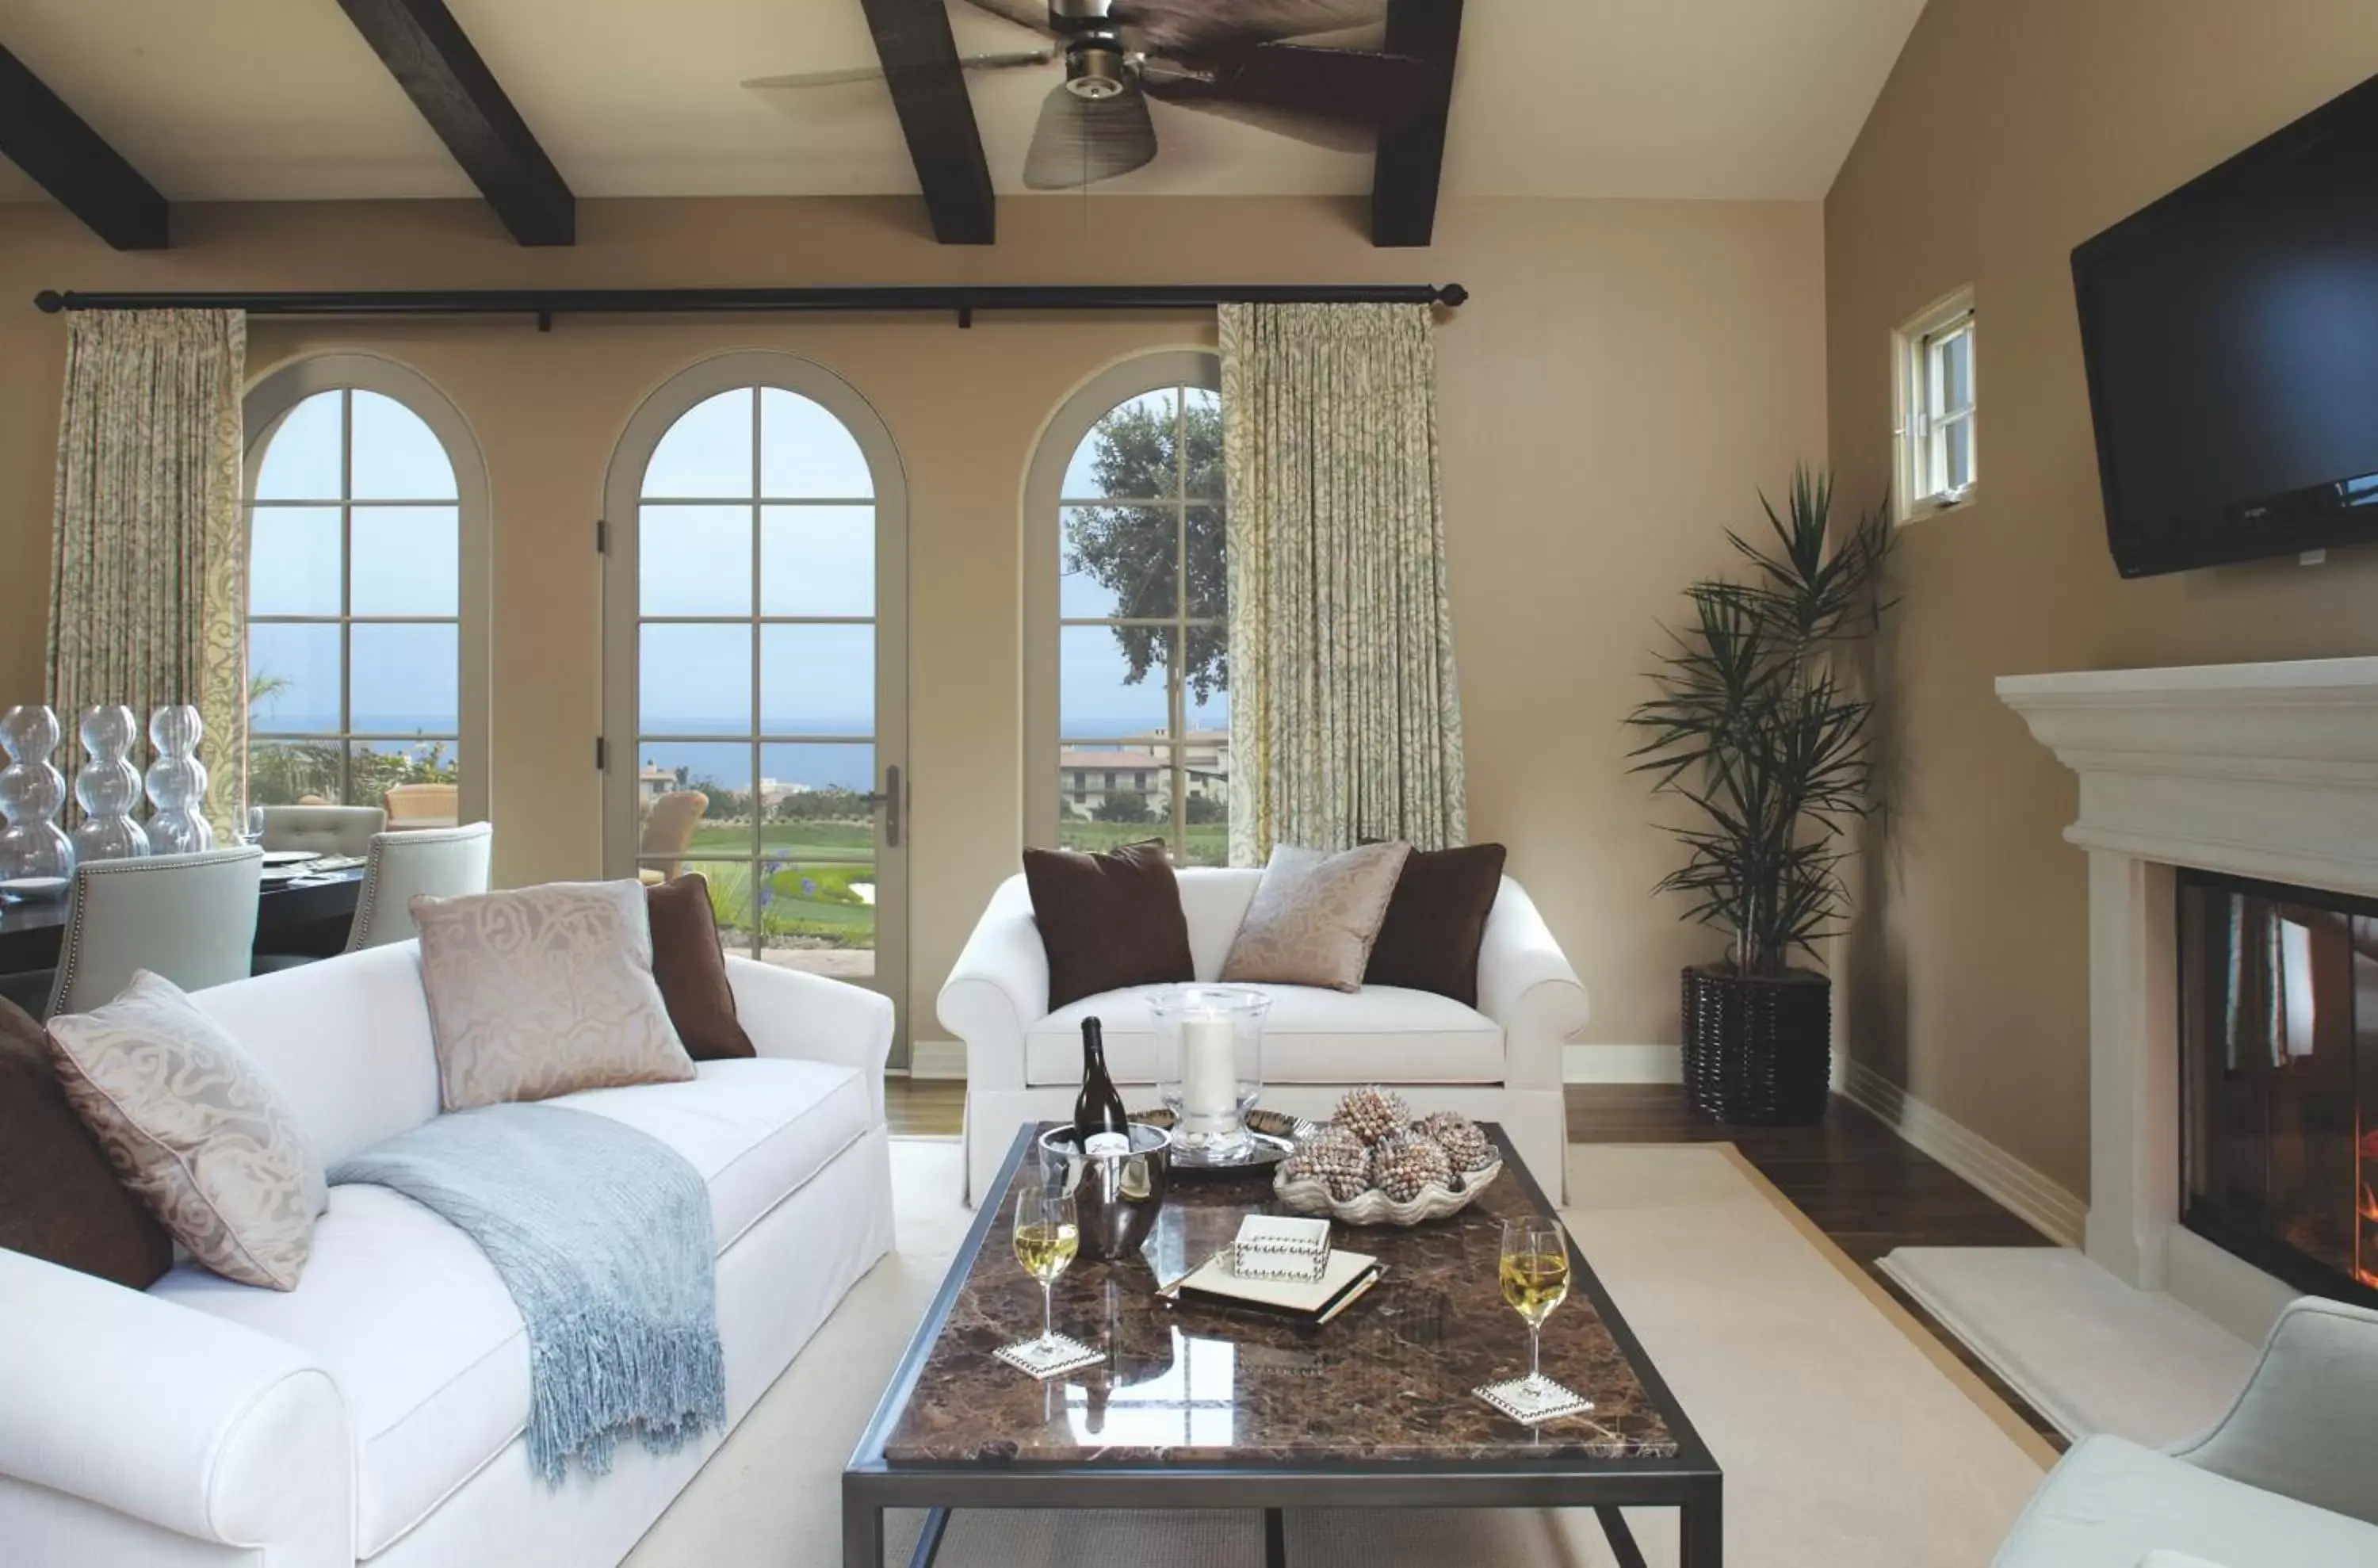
1546	1401
1050	1358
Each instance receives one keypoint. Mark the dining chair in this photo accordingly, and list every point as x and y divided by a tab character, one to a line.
669	831
424	805
443	863
190	918
329	830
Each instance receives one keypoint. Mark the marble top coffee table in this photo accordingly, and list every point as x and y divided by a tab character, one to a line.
1196	1406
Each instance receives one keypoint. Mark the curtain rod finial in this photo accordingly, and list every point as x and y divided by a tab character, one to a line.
49	302
1453	295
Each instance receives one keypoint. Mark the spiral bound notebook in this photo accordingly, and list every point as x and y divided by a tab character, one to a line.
1347	1278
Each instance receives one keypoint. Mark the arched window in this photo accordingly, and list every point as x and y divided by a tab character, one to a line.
755	687
1127	710
367	649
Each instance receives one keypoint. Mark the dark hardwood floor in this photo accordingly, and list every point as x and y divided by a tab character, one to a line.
1860	1184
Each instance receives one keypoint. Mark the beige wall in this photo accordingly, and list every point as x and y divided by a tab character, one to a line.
2010	131
1627	375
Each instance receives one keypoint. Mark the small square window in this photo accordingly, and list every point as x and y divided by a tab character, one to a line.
1934	441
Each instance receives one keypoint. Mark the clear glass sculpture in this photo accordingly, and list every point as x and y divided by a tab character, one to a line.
178	783
31	791
107	787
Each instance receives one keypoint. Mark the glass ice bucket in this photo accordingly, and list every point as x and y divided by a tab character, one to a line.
1209	1069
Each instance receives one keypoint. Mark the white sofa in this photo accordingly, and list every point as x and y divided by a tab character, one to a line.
376	1412
2288	1479
1500	1061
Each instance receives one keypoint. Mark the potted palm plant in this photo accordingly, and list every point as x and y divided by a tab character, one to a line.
1755	727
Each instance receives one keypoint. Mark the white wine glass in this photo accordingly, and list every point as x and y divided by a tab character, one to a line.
1046	1236
1535	1280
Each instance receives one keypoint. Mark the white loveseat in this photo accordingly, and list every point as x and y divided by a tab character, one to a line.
2287	1480
376	1412
1499	1061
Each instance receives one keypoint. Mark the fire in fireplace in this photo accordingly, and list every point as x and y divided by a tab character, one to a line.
2280	1080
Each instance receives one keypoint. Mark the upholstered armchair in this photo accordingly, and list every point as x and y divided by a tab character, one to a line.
2287	1480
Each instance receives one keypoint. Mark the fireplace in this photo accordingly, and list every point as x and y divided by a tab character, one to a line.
2278	1093
2264	772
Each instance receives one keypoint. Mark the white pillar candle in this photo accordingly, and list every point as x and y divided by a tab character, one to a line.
1210	1075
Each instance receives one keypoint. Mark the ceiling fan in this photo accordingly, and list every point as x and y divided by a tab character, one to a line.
1292	66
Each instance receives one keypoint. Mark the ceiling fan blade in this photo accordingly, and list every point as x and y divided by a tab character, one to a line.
1081	141
1207	26
1006	61
1033	14
1332	97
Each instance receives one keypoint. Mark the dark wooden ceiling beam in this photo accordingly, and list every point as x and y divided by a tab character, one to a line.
62	154
1411	154
920	61
425	49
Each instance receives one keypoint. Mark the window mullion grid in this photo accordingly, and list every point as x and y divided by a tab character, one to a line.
1177	678
347	594
753	795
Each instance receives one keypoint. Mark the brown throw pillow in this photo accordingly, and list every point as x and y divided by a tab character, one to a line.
1436	922
59	1201
1314	916
691	968
1107	920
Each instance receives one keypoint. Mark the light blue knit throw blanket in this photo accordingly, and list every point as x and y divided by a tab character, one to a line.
602	1235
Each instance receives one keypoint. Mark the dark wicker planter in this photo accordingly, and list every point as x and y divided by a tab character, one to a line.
1758	1050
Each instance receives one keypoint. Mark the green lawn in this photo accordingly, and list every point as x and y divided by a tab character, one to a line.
809	840
807	877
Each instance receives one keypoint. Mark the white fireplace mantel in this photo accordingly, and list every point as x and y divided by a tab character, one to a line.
2258	770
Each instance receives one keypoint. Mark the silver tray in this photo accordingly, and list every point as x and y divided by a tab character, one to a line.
1273	1137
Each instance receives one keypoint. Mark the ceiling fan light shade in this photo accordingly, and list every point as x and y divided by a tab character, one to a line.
1083	140
1095	71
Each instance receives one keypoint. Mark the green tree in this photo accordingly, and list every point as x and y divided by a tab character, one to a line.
1202	811
1139	452
725	804
1123	806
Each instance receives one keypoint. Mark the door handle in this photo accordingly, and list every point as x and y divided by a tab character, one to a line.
889	799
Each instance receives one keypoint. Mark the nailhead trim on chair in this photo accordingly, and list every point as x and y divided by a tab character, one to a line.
368	901
70	947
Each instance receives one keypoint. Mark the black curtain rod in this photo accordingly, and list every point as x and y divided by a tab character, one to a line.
545	304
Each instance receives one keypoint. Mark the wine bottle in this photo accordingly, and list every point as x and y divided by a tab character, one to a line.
1098	1110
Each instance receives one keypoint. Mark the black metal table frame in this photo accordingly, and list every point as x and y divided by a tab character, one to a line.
1690	1482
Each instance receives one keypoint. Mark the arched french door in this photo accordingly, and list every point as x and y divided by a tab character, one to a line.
755	662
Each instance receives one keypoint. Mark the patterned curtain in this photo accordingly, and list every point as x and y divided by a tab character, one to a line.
1345	717
148	543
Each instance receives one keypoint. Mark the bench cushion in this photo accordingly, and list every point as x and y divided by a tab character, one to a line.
1380	1033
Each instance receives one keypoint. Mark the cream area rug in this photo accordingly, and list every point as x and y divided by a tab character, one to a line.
2087	1351
1850	1439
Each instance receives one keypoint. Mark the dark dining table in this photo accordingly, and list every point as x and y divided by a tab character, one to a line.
308	914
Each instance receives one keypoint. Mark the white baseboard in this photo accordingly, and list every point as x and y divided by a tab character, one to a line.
1622	1064
2048	1207
937	1058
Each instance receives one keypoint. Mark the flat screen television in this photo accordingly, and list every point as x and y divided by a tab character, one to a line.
2230	332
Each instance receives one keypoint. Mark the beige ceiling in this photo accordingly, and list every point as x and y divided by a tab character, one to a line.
281	98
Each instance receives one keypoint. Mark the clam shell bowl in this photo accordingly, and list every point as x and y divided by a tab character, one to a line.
1310	1195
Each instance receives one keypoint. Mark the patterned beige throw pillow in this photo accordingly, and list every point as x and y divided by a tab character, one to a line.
193	1126
1314	916
544	990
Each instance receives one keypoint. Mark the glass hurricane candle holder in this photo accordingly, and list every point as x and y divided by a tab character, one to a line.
1209	1068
